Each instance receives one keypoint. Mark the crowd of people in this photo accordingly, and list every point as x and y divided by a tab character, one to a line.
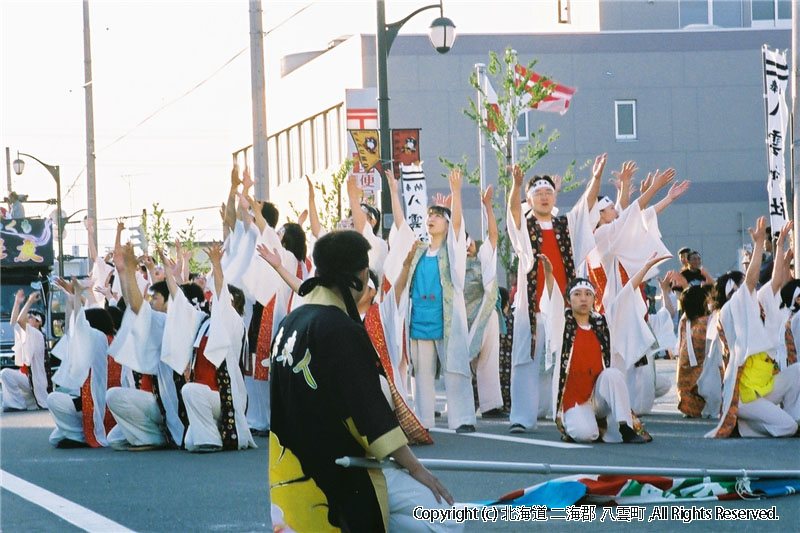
344	345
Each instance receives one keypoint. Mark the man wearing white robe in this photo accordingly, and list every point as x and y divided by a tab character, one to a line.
532	368
26	388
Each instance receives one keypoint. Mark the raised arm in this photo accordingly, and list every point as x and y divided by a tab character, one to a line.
491	221
666	289
313	215
23	314
675	192
402	278
778	264
622	181
659	179
758	236
455	193
230	206
214	253
397	206
130	289
515	196
354	197
597	177
169	273
638	278
19	298
273	257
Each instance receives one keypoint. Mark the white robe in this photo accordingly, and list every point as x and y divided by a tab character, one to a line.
87	349
746	335
29	350
138	346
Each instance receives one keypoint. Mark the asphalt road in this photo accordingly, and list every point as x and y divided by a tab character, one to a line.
166	491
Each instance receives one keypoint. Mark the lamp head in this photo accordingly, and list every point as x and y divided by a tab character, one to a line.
442	34
19	166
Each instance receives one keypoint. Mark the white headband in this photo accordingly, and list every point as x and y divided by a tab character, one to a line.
542	184
730	288
583	284
604	202
371	285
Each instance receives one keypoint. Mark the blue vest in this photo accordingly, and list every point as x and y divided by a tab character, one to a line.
427	317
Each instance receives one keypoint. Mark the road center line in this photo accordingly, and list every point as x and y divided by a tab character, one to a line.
509	438
71	512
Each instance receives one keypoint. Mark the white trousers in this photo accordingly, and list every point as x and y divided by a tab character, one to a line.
458	387
406	493
531	386
487	367
645	386
257	403
69	422
609	399
764	417
138	417
203	409
17	391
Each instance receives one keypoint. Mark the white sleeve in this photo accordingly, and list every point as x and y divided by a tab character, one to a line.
457	252
378	251
182	321
521	242
487	255
582	222
138	341
400	242
630	336
551	306
225	329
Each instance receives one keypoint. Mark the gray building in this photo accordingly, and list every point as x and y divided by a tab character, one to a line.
664	97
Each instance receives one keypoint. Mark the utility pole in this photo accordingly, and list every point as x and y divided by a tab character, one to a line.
91	195
260	169
8	169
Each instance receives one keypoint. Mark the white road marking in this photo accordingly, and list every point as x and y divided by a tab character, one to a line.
509	438
71	512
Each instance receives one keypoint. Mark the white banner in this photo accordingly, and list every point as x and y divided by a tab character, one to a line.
415	198
776	75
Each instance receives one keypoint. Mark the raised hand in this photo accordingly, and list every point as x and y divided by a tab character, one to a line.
486	197
247	182
598	166
244	203
442	200
759	235
548	266
214	252
270	256
782	235
646	183
353	190
662	178
235	181
655	258
677	189
19	297
516	175
625	174
456	180
302	218
558	181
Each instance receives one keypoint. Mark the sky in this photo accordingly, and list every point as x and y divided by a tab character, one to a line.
171	89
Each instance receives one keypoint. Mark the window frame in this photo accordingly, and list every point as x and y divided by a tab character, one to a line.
624	136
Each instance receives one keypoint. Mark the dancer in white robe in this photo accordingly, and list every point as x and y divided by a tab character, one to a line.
565	240
26	387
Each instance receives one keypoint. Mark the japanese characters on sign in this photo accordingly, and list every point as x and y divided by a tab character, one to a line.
776	75
415	194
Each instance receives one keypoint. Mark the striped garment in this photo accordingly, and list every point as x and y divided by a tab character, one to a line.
690	402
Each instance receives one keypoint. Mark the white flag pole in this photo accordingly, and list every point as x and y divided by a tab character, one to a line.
546	468
480	71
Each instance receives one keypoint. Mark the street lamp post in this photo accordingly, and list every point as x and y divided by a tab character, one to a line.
55	171
442	35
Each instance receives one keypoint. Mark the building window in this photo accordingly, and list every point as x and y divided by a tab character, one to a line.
283	158
771	13
625	119
563	11
523	133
